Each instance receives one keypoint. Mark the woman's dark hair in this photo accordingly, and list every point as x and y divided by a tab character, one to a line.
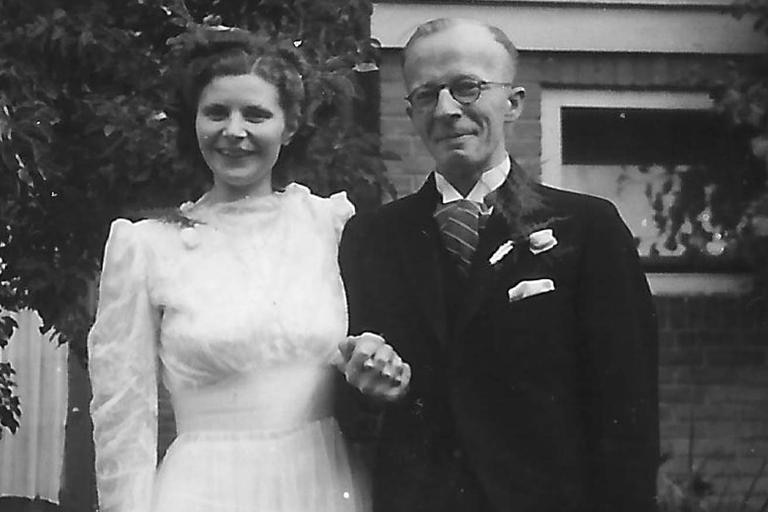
211	52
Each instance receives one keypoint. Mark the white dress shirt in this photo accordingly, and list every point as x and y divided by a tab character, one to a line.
489	181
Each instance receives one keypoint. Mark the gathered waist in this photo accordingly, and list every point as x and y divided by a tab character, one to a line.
270	400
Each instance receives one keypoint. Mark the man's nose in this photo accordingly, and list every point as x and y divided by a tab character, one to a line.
446	105
235	126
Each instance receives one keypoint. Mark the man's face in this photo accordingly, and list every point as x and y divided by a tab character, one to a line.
463	139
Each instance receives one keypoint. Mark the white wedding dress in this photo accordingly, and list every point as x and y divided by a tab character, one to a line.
244	311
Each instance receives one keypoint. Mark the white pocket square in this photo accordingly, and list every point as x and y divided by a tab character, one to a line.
525	289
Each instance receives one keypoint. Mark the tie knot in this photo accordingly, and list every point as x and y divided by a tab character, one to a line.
460	207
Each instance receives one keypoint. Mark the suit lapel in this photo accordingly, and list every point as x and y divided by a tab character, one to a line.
420	257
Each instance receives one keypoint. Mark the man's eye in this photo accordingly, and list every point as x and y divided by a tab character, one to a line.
423	94
465	87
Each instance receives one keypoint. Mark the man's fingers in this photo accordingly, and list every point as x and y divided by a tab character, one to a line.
396	369
405	376
382	359
366	346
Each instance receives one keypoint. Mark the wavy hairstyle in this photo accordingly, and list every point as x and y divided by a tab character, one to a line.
210	52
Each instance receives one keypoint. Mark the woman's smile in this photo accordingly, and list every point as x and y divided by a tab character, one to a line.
236	153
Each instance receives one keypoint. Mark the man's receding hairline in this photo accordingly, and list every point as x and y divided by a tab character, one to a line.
438	25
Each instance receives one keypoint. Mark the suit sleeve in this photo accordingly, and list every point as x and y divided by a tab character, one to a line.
358	416
618	323
352	259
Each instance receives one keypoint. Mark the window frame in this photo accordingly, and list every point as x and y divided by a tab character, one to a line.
553	100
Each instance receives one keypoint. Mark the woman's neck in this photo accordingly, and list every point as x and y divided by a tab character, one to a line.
225	193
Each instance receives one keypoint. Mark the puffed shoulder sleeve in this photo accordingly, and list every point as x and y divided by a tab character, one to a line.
122	351
341	211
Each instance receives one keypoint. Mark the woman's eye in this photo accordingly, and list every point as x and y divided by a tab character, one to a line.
256	115
216	112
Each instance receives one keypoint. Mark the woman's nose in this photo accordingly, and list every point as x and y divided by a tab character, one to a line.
235	126
446	104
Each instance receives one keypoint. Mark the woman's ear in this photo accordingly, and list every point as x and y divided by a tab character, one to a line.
515	102
288	133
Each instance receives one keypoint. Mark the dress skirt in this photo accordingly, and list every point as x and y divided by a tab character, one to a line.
305	469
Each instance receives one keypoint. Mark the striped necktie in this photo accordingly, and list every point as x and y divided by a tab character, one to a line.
459	222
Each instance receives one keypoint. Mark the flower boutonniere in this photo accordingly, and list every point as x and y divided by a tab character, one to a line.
541	241
189	236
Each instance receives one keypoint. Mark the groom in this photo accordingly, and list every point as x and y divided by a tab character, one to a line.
521	310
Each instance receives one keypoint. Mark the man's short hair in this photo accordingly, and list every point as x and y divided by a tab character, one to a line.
438	25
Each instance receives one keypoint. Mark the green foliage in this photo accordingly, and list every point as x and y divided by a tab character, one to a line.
84	137
742	99
721	209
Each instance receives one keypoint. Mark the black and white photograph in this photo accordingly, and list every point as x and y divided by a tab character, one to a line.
384	256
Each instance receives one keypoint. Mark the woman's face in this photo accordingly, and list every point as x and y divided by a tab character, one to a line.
240	128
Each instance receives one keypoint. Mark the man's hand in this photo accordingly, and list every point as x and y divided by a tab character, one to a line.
373	367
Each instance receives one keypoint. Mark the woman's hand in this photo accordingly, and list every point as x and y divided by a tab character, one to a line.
373	367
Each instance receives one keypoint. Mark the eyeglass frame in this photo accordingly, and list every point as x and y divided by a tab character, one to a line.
437	88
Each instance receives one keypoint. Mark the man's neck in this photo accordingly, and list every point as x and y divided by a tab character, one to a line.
463	183
464	179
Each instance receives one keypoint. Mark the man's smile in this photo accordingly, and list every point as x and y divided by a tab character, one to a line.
453	136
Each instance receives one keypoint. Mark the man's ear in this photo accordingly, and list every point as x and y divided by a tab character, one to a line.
515	101
409	110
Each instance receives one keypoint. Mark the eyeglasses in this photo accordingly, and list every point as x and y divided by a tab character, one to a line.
464	90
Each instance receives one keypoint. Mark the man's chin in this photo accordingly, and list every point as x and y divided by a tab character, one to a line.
454	157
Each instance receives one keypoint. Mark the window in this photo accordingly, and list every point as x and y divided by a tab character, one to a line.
661	158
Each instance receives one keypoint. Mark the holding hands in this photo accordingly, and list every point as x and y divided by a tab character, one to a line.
373	367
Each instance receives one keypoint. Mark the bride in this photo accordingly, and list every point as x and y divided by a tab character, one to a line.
237	302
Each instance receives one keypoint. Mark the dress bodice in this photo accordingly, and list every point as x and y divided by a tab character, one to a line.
251	284
235	304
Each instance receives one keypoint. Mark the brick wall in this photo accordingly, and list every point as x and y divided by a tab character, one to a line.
714	370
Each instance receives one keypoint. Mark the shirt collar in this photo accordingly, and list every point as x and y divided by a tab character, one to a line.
489	181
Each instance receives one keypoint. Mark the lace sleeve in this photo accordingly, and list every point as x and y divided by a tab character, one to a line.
122	365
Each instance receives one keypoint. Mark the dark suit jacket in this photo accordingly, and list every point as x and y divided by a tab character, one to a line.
548	403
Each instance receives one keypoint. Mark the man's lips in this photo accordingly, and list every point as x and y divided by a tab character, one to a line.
441	136
452	136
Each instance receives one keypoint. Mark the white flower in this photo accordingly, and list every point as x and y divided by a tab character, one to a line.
189	237
541	241
186	206
502	251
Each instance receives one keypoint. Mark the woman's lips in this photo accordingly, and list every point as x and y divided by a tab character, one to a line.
235	152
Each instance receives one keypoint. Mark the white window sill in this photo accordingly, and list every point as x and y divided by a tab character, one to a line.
677	285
